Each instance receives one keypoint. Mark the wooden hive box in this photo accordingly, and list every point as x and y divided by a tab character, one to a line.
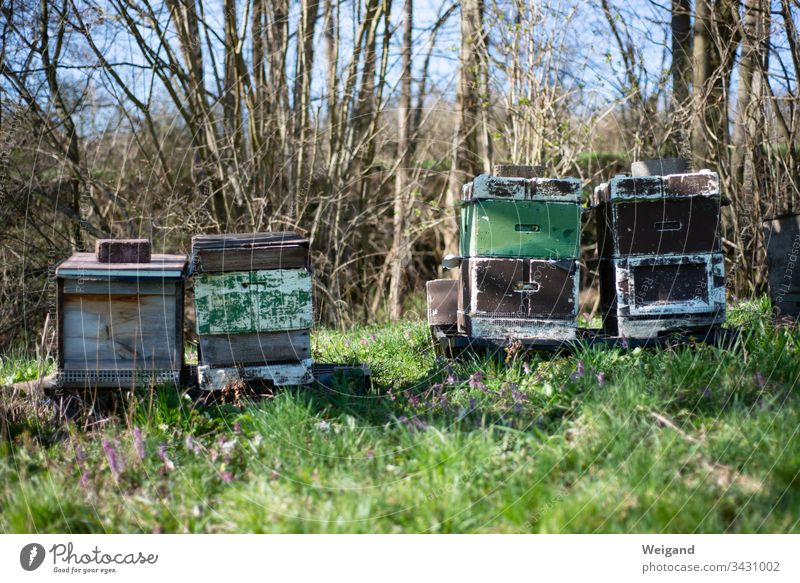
120	321
518	298
661	267
521	217
645	296
782	236
659	215
253	300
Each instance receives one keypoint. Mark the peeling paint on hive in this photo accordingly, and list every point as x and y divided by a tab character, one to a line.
256	301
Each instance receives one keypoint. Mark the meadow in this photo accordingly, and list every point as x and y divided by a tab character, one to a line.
681	439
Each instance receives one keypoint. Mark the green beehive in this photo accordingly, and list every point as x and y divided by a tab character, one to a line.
268	300
521	217
520	228
253	302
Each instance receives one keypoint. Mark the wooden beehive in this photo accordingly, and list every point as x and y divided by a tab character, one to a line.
253	302
518	298
659	215
520	243
661	267
782	236
517	217
645	296
120	319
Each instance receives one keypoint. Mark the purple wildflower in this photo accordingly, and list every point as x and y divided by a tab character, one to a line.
476	381
84	480
226	476
413	424
579	372
526	368
601	378
114	462
391	395
760	380
517	395
138	443
237	427
162	454
191	445
80	456
707	392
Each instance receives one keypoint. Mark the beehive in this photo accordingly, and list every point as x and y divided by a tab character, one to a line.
519	298
520	242
253	302
661	267
516	217
120	316
782	236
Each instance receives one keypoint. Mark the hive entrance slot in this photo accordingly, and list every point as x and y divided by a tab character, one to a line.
520	228
668	226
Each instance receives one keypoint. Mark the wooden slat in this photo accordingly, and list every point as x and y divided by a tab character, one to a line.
253	349
247	240
222	260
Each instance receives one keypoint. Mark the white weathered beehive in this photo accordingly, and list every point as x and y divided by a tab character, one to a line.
120	316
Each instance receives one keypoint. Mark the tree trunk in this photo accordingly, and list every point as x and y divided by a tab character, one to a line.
309	10
715	41
681	67
466	162
402	253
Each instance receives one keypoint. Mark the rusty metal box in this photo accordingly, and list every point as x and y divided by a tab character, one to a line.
782	237
518	298
120	323
644	296
658	215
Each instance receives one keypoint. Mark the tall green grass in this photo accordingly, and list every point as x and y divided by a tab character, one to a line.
684	439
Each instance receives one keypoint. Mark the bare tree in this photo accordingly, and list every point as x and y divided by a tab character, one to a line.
401	252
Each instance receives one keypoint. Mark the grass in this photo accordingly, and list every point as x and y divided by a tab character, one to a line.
685	439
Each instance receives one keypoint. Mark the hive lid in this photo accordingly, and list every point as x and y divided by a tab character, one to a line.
516	188
248	241
622	188
87	265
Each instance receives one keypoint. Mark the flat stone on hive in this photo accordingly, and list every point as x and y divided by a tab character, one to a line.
123	250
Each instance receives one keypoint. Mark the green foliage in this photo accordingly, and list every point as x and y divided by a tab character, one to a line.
684	439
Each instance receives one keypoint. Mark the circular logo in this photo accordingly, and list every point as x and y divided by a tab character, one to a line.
31	556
